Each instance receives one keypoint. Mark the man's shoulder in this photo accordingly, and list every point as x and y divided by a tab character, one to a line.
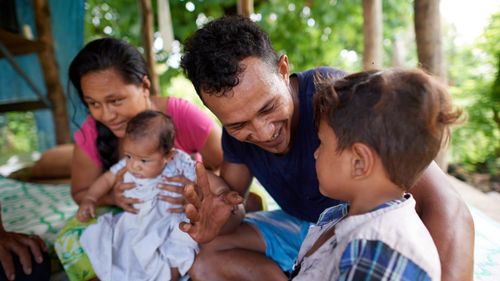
323	71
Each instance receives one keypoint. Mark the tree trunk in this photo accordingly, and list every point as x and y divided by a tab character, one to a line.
50	70
430	49
372	29
245	8
147	41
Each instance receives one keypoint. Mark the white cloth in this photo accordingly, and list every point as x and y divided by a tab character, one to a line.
146	245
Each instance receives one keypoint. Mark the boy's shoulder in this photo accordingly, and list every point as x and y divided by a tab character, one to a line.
397	229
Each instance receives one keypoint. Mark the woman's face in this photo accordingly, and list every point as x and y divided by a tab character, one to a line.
112	101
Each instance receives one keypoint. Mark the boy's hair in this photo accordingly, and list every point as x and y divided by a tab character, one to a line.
212	55
403	115
152	125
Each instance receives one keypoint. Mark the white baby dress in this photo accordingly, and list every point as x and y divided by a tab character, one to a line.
146	245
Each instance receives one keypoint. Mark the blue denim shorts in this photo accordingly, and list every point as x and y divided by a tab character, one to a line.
283	235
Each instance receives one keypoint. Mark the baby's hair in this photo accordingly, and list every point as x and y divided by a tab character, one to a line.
403	115
152	124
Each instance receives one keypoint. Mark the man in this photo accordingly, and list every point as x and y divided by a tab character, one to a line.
269	133
22	257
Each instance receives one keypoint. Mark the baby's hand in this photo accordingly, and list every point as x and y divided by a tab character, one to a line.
86	210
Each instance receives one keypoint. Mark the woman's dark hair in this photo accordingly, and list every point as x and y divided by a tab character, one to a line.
403	115
152	125
99	55
212	56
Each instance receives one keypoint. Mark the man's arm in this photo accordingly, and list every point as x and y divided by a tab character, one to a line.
238	178
449	221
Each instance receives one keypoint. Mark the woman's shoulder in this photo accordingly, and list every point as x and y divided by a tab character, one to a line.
87	129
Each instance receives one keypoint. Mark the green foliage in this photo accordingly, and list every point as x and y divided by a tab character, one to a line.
476	89
18	132
330	32
311	33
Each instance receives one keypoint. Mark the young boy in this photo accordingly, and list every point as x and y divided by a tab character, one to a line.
148	245
378	131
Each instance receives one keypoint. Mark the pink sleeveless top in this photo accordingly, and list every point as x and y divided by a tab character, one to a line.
192	128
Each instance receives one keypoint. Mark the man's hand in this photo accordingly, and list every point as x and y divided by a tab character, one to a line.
20	245
208	209
119	187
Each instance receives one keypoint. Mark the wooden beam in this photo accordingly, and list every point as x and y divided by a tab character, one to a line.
50	70
147	41
22	106
245	8
430	50
373	36
18	45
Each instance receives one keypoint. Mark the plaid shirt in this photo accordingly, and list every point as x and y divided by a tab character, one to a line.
369	260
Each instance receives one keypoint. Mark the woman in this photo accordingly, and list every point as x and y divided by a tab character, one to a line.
112	81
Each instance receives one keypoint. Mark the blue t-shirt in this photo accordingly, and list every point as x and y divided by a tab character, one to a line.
291	178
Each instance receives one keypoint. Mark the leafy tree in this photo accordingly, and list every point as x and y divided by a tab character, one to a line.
476	88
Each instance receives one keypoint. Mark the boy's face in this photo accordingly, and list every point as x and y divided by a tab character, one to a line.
333	168
259	109
144	159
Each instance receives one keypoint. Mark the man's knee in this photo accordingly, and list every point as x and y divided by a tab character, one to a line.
204	263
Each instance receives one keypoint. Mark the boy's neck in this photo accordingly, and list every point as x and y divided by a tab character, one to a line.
372	194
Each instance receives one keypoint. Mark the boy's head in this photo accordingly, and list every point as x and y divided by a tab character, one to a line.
401	116
148	143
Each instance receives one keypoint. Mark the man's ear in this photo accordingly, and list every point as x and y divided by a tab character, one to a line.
363	160
283	67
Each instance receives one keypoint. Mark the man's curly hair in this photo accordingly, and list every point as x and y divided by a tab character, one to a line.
213	54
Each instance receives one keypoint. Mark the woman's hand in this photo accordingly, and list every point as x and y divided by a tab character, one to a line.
20	245
178	189
126	203
207	209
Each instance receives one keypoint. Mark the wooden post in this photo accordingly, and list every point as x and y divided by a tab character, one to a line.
430	49
147	40
245	7
428	37
372	29
50	70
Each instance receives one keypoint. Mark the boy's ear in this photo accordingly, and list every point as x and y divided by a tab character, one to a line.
363	160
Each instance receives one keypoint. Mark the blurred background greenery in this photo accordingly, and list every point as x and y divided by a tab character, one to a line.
314	33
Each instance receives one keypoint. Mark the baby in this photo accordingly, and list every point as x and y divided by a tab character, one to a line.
148	245
378	131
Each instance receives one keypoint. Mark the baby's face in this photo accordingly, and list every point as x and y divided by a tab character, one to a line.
144	158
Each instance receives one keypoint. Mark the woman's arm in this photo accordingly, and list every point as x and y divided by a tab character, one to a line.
212	150
84	172
449	221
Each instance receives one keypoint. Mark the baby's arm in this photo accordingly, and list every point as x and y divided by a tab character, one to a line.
99	188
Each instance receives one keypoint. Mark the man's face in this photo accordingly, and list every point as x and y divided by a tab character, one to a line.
259	109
